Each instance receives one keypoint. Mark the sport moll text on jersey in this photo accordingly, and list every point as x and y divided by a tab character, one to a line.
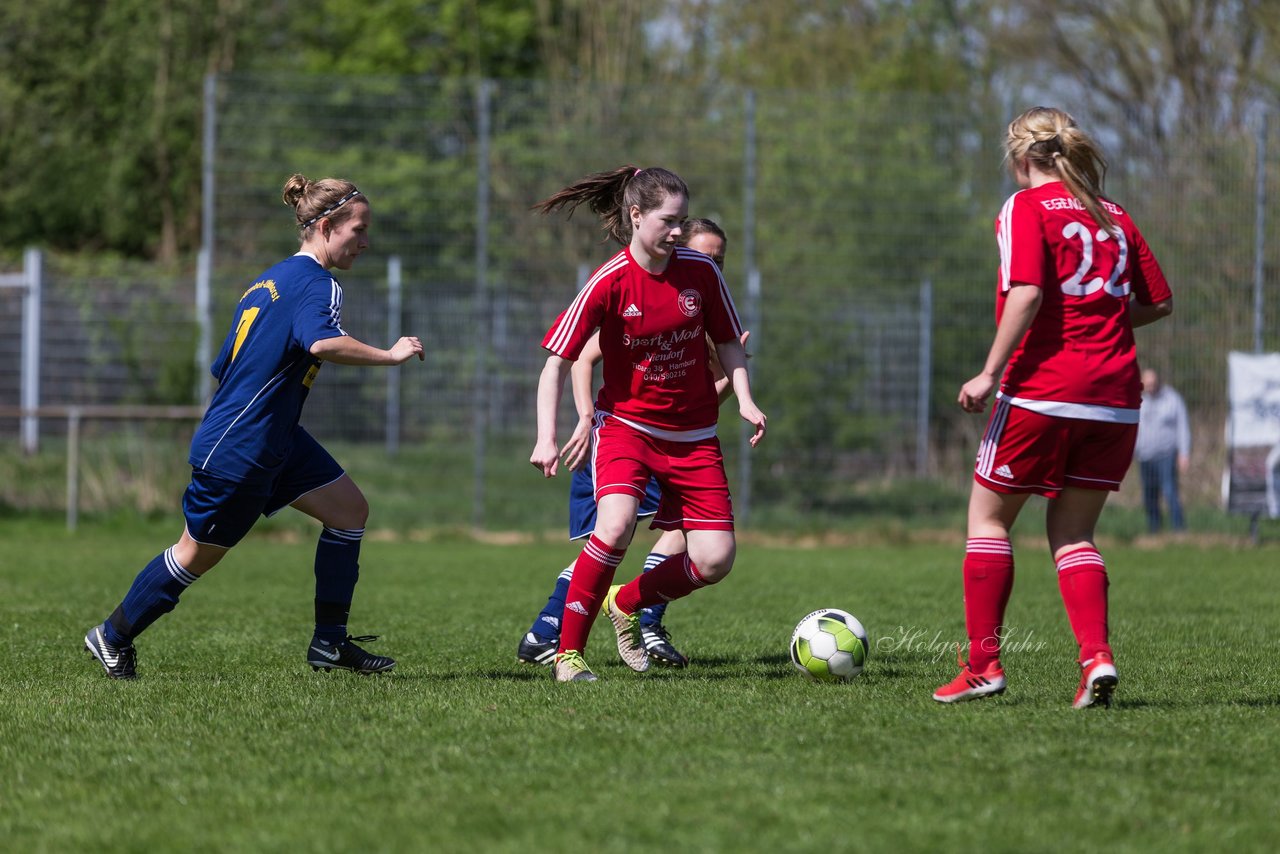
664	362
663	340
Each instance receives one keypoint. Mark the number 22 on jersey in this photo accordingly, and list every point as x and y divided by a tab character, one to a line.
1076	286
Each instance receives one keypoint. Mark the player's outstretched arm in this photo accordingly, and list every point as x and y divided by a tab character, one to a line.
724	387
733	357
345	350
546	454
574	452
1019	311
1141	315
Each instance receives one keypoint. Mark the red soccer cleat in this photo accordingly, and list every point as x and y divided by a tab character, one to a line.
1098	680
971	686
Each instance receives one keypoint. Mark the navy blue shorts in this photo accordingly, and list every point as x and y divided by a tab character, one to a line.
582	502
219	512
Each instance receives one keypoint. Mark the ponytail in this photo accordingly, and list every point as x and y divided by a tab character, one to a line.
1050	139
610	196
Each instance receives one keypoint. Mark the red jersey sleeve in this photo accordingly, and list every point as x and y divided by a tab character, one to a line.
574	326
1147	280
1021	238
722	320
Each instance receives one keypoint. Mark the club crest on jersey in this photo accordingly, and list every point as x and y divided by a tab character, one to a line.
690	302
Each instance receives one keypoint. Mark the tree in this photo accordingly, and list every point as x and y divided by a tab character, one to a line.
102	103
101	110
1173	88
436	38
870	45
1164	67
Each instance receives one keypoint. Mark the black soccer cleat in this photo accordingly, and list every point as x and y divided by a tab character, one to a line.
657	642
347	656
120	662
535	649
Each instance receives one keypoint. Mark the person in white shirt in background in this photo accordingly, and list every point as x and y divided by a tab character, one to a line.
1163	450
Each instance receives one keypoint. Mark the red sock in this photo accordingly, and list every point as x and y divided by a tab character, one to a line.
674	578
1082	578
988	580
592	575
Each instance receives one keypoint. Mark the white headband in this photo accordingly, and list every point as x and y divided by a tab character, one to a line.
342	201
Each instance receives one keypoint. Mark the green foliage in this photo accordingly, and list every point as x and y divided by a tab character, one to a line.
430	487
1190	204
226	738
138	471
133	321
858	219
868	45
877	162
101	108
102	103
439	38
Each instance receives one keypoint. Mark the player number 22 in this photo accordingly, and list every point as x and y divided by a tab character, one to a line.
1076	286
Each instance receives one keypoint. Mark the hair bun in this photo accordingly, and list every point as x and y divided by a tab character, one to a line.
295	189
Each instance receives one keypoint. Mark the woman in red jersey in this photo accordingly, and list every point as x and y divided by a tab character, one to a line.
541	642
654	303
1075	279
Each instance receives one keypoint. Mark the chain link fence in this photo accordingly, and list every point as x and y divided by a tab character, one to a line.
860	253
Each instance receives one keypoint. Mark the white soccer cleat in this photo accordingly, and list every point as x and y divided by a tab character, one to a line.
570	666
630	643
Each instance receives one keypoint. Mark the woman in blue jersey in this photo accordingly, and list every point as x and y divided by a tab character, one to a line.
251	458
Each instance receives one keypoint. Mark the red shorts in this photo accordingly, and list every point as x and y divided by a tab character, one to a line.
1025	451
695	491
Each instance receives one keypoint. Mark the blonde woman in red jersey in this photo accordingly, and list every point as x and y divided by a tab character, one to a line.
1076	278
654	304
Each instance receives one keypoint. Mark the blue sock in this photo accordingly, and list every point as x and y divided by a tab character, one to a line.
652	615
154	593
337	570
547	625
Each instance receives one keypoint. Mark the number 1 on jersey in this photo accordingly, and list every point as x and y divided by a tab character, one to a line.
242	328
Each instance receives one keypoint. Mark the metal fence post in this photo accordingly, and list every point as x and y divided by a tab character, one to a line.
73	467
204	326
393	376
1259	230
483	323
752	304
33	271
924	378
204	272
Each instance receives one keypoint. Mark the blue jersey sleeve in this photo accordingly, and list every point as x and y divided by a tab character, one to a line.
319	314
220	363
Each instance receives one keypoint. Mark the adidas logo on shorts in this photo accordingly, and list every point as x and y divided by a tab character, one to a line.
1003	471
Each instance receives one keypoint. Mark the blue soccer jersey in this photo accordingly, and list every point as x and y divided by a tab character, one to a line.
265	369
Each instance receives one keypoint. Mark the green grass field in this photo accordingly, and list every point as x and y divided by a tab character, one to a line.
228	742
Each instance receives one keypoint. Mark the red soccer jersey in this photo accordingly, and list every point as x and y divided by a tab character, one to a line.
652	337
1077	360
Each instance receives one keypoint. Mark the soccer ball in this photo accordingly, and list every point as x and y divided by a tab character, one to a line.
829	645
